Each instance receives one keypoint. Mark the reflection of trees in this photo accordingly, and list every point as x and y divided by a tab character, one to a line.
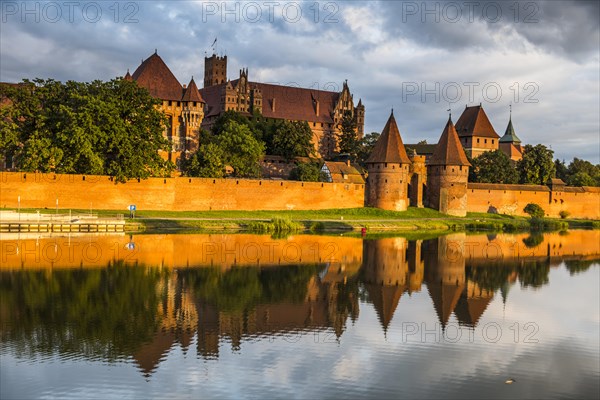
493	277
534	273
533	240
106	312
578	266
489	277
242	288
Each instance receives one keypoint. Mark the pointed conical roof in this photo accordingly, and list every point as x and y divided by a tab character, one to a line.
475	122
510	136
444	297
449	151
468	311
389	147
385	301
191	93
127	76
154	75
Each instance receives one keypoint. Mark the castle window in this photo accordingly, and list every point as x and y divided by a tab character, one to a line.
492	141
314	124
170	103
178	104
321	124
477	140
485	141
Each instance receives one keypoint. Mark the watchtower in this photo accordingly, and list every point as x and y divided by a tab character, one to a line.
215	70
388	168
447	174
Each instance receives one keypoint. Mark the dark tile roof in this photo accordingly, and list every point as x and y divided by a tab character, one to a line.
449	151
154	75
510	136
291	103
474	122
339	168
191	93
389	147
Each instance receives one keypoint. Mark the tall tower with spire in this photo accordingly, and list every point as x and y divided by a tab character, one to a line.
510	144
447	174
388	168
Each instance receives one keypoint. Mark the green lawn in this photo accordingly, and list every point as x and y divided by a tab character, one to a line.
333	220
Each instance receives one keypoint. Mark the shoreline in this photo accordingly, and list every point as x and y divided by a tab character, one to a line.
413	220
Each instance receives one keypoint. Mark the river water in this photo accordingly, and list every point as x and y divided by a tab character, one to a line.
306	316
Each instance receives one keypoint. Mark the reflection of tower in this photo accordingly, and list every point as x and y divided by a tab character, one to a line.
472	304
416	265
178	321
384	272
445	273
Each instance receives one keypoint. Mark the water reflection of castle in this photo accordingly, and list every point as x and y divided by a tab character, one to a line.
327	298
179	302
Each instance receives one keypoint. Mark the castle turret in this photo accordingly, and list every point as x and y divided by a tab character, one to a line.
359	116
447	174
510	144
387	166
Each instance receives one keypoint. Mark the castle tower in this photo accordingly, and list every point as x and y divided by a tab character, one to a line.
192	115
359	116
510	144
388	164
447	175
215	70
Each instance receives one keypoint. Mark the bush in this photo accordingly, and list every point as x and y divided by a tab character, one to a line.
564	214
534	210
276	225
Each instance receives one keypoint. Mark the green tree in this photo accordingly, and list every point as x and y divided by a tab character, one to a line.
110	128
241	149
292	139
366	146
583	173
493	167
307	172
537	165
207	162
535	210
561	169
349	143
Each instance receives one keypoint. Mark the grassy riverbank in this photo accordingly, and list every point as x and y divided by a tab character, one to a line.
333	220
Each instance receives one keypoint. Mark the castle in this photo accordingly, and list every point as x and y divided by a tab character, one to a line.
189	109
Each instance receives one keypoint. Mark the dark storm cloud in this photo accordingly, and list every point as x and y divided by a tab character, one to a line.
378	46
568	28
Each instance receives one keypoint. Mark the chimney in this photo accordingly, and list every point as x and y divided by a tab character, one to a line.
273	104
317	107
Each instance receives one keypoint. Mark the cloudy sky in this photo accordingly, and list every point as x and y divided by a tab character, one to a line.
420	58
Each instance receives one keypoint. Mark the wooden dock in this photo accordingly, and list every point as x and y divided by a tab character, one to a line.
11	221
